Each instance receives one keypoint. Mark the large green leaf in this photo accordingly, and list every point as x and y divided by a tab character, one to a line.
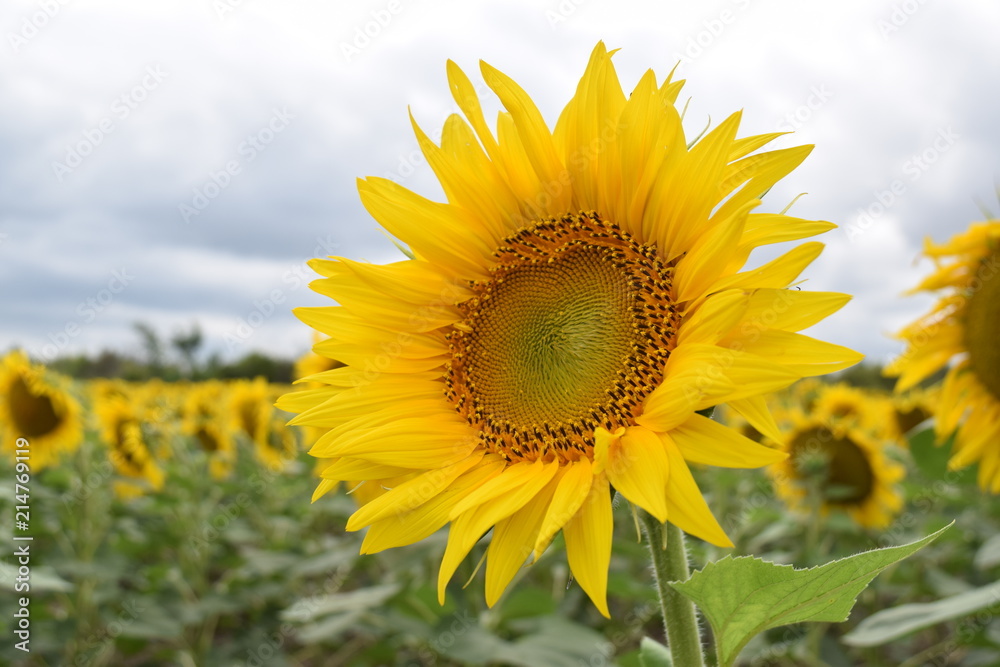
889	624
742	597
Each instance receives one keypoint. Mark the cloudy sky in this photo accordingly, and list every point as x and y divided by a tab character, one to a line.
178	161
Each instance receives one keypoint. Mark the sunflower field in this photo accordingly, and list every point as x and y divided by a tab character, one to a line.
579	420
172	526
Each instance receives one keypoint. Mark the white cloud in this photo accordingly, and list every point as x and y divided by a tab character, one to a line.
868	96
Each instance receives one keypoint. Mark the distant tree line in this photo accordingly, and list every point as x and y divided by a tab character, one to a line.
172	360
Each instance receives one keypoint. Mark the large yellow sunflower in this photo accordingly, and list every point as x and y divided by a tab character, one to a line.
845	466
562	320
963	326
37	405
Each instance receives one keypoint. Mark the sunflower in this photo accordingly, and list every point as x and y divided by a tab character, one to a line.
859	408
205	422
252	414
840	466
562	320
122	430
962	325
37	405
912	408
250	409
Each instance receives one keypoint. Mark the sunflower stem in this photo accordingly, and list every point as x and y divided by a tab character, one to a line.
669	557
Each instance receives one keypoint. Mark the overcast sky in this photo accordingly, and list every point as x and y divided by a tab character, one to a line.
178	161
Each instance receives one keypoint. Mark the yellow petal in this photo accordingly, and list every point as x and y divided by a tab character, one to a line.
588	543
412	493
573	488
703	440
512	543
472	524
777	273
535	136
788	309
638	468
685	504
409	527
418	442
443	234
802	354
714	317
346	469
754	409
516	476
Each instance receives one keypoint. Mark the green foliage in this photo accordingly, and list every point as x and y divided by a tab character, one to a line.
890	624
654	654
742	597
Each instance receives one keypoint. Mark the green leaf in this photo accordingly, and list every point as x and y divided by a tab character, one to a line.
654	654
932	458
308	609
889	624
42	579
742	597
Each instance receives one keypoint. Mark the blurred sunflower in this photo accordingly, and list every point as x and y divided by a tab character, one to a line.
962	325
912	408
121	429
855	407
250	409
561	321
37	405
841	467
206	423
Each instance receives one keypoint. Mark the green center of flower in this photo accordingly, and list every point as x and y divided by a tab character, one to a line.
839	465
33	414
571	332
981	317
